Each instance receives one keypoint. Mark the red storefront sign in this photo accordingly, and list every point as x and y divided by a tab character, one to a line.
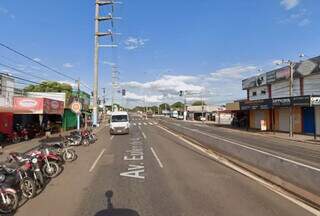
24	105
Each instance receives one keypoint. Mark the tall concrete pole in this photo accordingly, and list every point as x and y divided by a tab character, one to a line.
96	63
291	65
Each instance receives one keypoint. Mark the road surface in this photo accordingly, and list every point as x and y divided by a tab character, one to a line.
150	172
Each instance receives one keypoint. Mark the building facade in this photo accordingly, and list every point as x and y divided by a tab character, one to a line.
269	100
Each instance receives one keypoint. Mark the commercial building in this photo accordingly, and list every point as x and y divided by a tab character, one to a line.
269	101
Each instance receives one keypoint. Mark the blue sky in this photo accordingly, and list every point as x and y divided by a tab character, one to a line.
206	46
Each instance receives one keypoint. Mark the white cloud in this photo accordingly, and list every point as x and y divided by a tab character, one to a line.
289	4
6	12
301	18
304	22
132	43
108	63
236	72
147	98
37	59
169	84
277	62
73	84
68	65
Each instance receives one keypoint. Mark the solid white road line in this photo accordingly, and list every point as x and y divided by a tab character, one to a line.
254	149
276	189
157	158
111	138
150	123
144	135
96	161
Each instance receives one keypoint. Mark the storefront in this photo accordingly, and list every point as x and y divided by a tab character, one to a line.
40	111
315	103
259	111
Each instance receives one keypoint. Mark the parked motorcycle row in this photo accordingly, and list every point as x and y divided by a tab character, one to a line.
25	175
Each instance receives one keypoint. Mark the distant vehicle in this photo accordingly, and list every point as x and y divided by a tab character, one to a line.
149	114
175	114
180	117
119	123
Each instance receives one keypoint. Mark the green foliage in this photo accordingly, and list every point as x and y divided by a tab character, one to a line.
164	106
198	103
50	86
178	106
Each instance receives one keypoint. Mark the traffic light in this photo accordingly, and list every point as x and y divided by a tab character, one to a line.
180	93
123	92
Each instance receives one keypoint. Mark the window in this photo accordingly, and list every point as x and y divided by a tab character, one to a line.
263	92
119	118
254	93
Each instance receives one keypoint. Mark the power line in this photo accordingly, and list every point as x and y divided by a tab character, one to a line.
21	71
19	78
41	64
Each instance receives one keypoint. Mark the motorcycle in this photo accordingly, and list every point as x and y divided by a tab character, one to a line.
13	137
50	162
67	153
8	197
19	179
31	165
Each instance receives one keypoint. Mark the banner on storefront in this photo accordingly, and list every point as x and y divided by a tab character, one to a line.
25	105
256	104
291	101
315	101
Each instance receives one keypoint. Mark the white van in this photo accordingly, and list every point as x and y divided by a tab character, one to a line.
119	123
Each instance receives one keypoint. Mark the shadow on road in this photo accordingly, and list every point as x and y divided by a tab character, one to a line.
111	211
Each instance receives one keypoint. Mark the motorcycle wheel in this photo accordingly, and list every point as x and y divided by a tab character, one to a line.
69	155
12	202
28	188
85	142
40	179
15	140
52	171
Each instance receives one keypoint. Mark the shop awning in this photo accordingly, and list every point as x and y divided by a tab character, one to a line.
26	105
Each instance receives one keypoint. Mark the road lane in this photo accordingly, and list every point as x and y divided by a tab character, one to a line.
304	153
188	184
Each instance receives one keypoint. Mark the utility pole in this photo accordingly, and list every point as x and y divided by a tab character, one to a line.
98	34
78	99
202	108
115	84
291	65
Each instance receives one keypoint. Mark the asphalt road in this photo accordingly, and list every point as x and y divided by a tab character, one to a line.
149	173
301	152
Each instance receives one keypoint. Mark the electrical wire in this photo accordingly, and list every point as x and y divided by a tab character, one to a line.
21	71
19	78
41	64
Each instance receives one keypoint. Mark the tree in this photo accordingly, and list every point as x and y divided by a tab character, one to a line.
198	103
50	86
177	106
164	106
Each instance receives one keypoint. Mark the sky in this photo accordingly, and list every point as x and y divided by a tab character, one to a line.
204	47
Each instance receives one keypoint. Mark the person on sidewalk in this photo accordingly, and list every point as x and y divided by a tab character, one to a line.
48	129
